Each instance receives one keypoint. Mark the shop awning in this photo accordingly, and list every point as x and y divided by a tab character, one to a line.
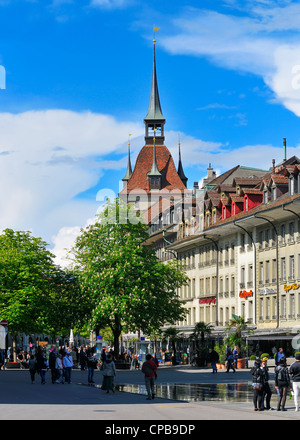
270	338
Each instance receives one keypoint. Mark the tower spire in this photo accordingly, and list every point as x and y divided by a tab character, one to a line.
129	168
180	171
154	118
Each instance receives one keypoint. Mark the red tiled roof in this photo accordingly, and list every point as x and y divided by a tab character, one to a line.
139	180
236	198
251	191
280	179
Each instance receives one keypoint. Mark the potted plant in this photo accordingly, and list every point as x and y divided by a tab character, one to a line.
239	324
251	361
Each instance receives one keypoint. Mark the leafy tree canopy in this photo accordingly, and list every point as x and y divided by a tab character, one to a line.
36	296
128	287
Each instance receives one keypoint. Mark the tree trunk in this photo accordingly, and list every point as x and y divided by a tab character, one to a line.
117	330
14	347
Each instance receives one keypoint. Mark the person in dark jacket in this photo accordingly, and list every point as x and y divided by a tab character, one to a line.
214	358
92	363
266	390
294	371
83	358
230	360
282	383
257	384
52	360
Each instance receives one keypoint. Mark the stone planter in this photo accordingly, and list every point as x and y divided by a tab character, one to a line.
241	363
220	366
9	365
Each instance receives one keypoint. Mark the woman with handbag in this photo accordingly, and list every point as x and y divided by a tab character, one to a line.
257	384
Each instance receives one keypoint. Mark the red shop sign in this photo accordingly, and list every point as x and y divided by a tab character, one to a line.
207	301
244	294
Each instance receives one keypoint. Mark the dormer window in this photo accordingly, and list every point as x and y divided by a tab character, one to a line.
274	193
293	183
266	196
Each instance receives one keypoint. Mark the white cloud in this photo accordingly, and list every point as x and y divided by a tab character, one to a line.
263	40
111	4
49	157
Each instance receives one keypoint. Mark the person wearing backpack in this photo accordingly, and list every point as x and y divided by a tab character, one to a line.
282	383
149	369
257	384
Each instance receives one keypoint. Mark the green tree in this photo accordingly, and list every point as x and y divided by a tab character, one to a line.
25	269
66	307
239	325
35	295
129	289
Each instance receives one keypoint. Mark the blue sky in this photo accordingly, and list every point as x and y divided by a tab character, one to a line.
78	76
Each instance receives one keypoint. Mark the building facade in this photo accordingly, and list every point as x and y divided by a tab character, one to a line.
238	237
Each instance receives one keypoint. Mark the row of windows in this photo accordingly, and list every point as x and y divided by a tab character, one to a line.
289	270
289	307
267	310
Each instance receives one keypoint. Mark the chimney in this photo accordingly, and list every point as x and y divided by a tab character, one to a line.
273	166
284	148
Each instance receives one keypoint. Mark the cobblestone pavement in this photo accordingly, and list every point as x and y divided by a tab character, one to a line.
21	400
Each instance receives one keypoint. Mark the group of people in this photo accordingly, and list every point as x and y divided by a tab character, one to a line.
60	363
286	379
231	357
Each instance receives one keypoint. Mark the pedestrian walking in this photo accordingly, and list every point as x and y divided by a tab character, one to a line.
52	360
32	364
282	383
149	369
214	359
68	364
44	365
92	363
59	367
235	354
266	390
229	359
294	371
82	359
109	372
257	384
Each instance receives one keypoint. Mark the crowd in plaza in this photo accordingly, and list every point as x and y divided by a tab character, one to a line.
286	380
60	361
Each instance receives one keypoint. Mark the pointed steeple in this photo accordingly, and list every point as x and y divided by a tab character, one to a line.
154	118
129	168
180	171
